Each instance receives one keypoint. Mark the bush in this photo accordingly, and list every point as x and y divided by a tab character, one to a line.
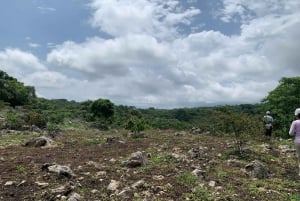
36	119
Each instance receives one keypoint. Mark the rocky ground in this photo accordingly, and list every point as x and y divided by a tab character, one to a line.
91	165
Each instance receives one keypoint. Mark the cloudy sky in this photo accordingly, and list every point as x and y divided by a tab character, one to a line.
151	53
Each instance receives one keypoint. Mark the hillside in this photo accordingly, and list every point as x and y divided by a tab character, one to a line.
88	164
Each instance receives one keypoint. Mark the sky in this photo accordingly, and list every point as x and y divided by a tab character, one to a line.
151	53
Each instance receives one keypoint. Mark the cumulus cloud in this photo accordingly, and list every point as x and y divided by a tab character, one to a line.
15	62
148	62
114	57
147	57
152	17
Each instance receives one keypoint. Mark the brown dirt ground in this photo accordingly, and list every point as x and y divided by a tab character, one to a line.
76	149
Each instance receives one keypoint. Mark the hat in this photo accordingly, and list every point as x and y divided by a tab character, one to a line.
268	112
297	111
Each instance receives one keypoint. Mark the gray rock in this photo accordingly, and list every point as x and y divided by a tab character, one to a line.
200	174
74	197
256	169
59	169
39	142
194	153
137	159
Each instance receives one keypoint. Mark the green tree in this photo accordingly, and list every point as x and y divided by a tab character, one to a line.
282	102
135	124
240	125
102	108
13	92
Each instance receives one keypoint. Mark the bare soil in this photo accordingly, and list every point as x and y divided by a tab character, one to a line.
81	150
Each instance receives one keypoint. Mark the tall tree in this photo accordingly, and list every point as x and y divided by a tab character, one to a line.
13	92
282	102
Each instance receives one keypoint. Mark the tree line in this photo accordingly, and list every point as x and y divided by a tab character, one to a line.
104	114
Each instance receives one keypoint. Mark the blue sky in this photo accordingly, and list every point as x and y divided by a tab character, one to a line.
151	53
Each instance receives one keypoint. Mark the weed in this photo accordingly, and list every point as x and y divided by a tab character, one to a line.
294	197
21	169
187	179
221	174
199	194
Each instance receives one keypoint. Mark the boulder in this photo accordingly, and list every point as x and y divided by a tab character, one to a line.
136	159
256	169
39	142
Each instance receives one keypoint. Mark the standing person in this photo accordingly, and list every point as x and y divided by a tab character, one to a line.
295	130
268	121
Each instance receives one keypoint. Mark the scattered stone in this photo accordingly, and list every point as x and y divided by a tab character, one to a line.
195	130
158	177
180	133
94	191
124	193
95	164
113	139
200	174
265	147
136	159
256	169
212	183
286	149
113	186
62	170
138	184
74	197
194	153
42	184
9	183
63	190
40	142
101	173
234	163
138	135
21	183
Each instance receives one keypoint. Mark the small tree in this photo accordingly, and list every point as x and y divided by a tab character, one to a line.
102	108
240	125
135	124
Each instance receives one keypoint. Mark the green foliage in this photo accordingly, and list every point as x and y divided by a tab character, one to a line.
199	194
14	121
13	92
240	125
52	128
37	119
102	108
135	124
21	169
56	118
282	102
187	179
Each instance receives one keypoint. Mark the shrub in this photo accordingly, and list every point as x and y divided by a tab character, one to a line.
36	119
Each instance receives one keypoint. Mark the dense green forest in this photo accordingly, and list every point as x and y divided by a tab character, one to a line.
20	106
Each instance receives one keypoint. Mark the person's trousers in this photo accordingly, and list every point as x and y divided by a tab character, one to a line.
297	147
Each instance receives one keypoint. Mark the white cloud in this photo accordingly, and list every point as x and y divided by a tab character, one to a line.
15	62
115	57
153	17
148	62
248	10
48	79
46	9
33	45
